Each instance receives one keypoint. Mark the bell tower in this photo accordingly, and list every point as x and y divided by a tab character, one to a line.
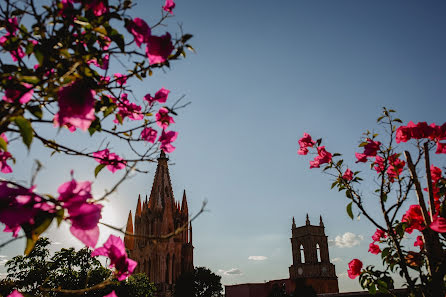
311	260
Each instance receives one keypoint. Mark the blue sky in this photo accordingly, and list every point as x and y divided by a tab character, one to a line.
264	73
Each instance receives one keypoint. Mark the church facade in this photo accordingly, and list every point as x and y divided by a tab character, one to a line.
310	273
159	255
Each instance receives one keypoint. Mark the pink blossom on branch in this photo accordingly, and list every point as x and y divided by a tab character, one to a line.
160	96
378	235
99	7
438	224
159	48
4	167
148	134
112	294
112	160
166	140
419	242
84	215
354	268
414	218
348	175
76	106
304	143
121	79
163	119
323	157
374	249
15	293
114	249
21	95
140	31
441	148
128	109
361	158
169	5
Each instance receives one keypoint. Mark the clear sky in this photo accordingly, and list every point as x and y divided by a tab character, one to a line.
264	73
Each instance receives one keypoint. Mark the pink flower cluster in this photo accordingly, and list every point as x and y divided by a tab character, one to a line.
158	48
414	218
76	106
19	206
128	109
148	134
83	214
370	150
322	157
354	268
99	7
160	96
163	119
377	236
11	28
348	175
113	161
168	6
394	169
21	94
422	130
114	249
436	175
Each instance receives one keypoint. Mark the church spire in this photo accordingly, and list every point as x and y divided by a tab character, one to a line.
321	223
138	206
161	194
294	224
307	222
128	239
184	208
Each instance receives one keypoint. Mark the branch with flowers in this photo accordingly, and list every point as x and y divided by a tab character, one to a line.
54	73
398	177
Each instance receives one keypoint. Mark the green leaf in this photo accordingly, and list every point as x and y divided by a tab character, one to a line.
98	169
59	216
189	47
3	144
39	56
29	245
334	184
26	131
349	210
30	79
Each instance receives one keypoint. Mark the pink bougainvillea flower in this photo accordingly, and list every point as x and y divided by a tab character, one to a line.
15	293
419	242
348	175
84	215
378	235
323	157
163	119
114	249
354	268
99	7
419	131
121	79
17	54
371	148
166	140
438	224
19	205
128	109
441	148
304	143
103	64
168	6
394	169
12	26
160	96
4	167
21	94
148	134
159	48
361	158
112	294
414	218
439	132
140	31
112	160
374	249
76	106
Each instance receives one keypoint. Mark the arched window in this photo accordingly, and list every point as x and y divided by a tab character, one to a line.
167	269
302	254
318	252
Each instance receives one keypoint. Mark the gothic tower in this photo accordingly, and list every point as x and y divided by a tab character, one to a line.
162	259
311	260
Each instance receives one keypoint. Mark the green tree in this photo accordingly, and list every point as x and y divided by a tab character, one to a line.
41	275
201	282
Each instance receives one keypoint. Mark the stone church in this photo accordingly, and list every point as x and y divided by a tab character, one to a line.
163	260
311	270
